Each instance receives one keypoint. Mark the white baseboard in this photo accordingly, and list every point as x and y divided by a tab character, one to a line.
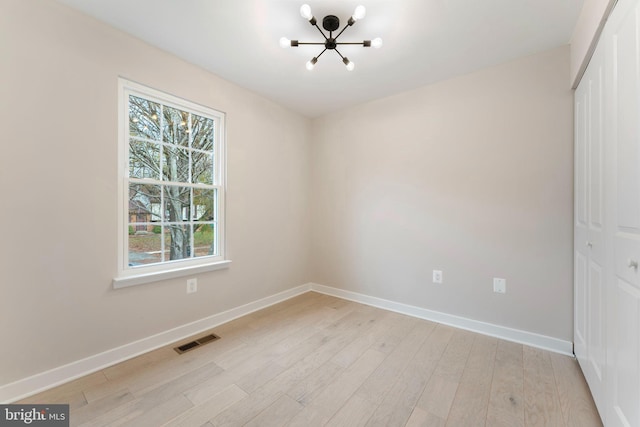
62	374
523	337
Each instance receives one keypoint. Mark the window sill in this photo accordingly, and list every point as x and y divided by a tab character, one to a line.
139	279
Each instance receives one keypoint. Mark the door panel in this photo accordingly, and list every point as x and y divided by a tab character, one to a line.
589	241
595	340
624	392
580	297
627	121
626	406
580	226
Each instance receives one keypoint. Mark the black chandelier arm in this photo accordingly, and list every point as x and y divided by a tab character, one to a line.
342	31
315	24
365	43
296	43
338	52
323	51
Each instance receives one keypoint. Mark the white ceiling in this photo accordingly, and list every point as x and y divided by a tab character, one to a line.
424	41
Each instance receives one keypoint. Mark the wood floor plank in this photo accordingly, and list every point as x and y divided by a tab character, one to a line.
469	407
577	405
244	373
506	404
303	349
542	405
274	342
378	384
101	406
266	395
439	392
331	399
246	408
165	399
422	418
277	414
71	393
317	360
279	320
201	414
155	374
398	403
137	363
259	377
356	412
137	412
307	389
400	326
155	415
364	341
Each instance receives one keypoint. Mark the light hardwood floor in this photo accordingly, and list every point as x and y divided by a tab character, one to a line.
318	360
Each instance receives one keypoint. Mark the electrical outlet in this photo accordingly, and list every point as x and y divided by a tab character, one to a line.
437	276
499	285
192	286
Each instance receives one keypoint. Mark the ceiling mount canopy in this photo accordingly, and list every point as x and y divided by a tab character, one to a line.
331	23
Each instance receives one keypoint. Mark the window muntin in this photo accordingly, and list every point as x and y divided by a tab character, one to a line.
171	153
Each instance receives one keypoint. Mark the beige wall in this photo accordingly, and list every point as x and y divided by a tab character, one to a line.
585	35
58	103
472	176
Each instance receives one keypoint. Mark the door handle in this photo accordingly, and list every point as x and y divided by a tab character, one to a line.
632	263
590	244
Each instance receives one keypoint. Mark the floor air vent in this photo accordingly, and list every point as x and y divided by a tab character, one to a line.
197	343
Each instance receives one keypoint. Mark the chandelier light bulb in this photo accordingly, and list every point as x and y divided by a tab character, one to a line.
350	65
285	42
305	11
359	13
377	42
311	63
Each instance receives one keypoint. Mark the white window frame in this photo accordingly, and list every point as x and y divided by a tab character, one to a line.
135	275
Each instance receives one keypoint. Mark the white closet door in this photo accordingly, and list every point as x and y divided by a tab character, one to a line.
624	45
589	241
581	230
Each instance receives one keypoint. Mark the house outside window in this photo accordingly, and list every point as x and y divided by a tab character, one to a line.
171	173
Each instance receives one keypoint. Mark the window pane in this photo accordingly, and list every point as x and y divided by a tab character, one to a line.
144	160
204	239
203	204
144	118
177	240
172	183
175	127
144	245
144	203
175	164
177	202
202	132
202	168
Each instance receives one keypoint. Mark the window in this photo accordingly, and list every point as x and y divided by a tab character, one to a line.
172	186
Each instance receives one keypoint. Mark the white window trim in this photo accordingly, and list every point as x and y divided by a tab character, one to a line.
128	276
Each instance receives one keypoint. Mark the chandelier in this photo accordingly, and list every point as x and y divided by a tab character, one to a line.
331	23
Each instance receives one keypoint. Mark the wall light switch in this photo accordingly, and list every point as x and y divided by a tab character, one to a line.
499	285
